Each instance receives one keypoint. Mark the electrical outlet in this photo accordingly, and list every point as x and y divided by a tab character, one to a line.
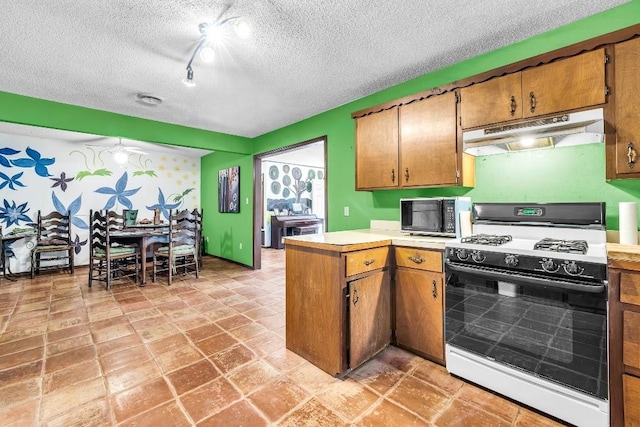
206	239
246	202
240	245
346	211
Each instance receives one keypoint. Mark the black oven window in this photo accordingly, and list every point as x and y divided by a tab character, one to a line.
554	334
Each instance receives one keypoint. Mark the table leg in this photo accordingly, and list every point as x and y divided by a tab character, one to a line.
143	260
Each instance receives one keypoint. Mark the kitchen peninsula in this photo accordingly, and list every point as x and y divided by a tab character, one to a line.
339	309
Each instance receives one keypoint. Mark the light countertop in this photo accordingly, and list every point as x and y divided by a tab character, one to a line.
345	241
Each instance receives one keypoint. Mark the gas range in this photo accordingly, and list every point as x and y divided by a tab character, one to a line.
536	245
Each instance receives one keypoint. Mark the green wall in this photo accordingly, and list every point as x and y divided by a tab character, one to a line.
570	174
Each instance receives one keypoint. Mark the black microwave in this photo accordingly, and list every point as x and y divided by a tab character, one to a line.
438	216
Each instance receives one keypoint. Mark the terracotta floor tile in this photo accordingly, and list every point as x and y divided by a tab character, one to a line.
92	414
311	378
275	321
266	343
233	321
61	401
74	374
489	402
118	344
377	375
348	398
438	376
131	376
22	357
143	314
284	360
170	343
19	345
527	418
127	357
160	416
173	360
158	332
19	392
259	313
201	332
23	414
9	336
278	397
192	376
21	373
244	306
133	401
231	358
216	343
312	413
68	344
67	333
253	376
461	414
209	399
418	397
238	414
399	358
69	358
386	413
220	313
248	331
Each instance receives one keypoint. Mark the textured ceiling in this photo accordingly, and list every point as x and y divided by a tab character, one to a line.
305	56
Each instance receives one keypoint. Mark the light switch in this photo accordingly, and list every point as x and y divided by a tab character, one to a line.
346	211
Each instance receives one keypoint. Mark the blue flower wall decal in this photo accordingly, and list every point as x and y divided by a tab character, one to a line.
119	193
77	244
163	205
13	214
62	181
73	209
35	161
6	152
11	182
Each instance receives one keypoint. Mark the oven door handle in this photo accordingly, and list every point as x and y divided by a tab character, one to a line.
536	281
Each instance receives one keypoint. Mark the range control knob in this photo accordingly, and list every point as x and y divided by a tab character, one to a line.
462	254
573	269
549	265
478	256
511	260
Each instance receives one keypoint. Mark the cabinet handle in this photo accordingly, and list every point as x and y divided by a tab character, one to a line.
434	290
406	175
393	175
532	101
513	105
356	297
631	155
418	260
368	262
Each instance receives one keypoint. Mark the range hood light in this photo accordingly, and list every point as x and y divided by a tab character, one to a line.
530	144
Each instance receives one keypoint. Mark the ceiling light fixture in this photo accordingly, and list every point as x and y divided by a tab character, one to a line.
211	32
120	156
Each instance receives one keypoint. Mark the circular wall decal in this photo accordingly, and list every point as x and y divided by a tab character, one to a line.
273	172
320	175
296	173
286	193
285	168
275	187
286	180
311	174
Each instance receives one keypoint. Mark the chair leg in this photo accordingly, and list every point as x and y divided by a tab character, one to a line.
71	260
108	275
90	272
195	259
154	267
33	264
171	266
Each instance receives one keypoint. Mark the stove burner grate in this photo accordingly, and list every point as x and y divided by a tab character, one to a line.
487	239
555	245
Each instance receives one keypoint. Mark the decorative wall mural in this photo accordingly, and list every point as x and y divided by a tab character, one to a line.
229	190
65	176
285	186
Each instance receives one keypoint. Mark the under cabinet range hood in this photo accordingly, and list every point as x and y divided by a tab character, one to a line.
584	127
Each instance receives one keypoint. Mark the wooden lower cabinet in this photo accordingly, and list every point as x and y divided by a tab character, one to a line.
419	302
338	304
631	387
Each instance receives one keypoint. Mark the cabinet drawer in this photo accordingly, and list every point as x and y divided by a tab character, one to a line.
419	258
631	339
631	397
368	260
630	288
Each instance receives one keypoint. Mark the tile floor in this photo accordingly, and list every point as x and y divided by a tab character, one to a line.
207	352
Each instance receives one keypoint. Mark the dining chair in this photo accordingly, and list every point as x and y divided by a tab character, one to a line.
53	247
109	261
130	217
180	255
197	214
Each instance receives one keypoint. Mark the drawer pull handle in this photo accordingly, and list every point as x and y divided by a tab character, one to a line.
513	106
368	262
356	297
406	174
532	102
393	175
434	290
418	260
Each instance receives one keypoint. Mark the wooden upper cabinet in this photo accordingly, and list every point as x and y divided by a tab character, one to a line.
626	93
428	142
567	84
377	150
494	101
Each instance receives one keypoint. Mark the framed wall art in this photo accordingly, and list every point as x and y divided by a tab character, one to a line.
229	190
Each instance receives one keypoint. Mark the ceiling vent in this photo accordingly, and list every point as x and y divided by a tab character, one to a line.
151	100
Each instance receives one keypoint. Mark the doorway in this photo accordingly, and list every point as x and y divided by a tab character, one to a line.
288	180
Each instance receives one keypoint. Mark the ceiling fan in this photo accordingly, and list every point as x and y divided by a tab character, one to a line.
120	151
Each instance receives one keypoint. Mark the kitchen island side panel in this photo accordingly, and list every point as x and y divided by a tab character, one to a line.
315	310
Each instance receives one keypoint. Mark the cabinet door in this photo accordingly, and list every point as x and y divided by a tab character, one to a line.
369	317
494	101
631	399
377	150
627	107
567	84
428	142
419	310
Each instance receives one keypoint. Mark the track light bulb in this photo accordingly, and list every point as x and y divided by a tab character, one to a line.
188	81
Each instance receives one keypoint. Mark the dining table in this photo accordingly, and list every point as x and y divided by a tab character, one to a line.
144	235
10	238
